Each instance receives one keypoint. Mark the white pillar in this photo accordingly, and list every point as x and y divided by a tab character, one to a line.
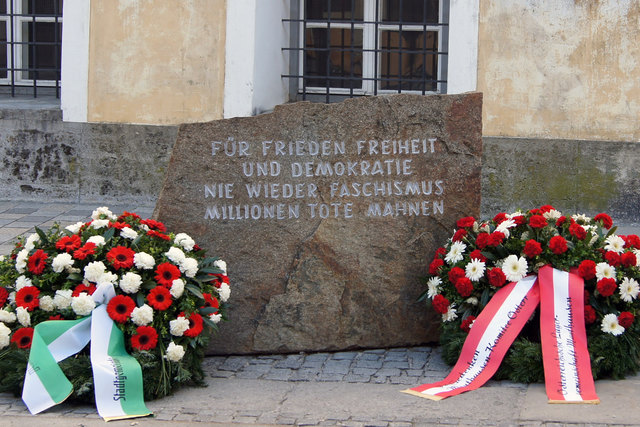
463	46
75	60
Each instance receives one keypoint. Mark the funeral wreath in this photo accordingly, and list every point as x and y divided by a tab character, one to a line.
483	256
169	297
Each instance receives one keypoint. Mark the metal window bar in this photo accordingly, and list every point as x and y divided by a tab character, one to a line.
404	83
26	73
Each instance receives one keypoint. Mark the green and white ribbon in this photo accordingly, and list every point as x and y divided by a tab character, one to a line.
117	376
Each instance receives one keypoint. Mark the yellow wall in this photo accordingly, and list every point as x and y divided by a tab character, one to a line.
156	61
560	69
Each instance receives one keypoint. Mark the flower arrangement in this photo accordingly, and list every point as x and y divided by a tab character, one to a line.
482	256
169	297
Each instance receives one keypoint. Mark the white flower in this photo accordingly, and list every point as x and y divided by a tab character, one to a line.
505	225
485	228
636	252
175	352
433	286
4	336
175	255
31	241
603	270
215	317
515	268
177	288
450	315
581	219
128	233
189	266
614	243
22	282
7	316
474	270
221	265
552	215
225	292
455	252
83	304
74	228
94	270
61	262
130	282
24	318
142	315
12	297
99	223
472	301
46	303
21	260
144	261
629	289
96	240
185	241
610	325
103	210
107	278
2	257
62	298
178	326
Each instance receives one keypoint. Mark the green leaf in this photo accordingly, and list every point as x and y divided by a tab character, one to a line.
484	298
43	236
140	299
208	310
194	290
109	234
210	323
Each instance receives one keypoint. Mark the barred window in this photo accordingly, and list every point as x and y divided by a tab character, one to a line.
346	48
30	47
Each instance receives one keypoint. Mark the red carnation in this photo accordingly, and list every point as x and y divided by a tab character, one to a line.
628	259
477	254
459	235
23	337
121	257
435	266
440	252
560	221
625	319
455	273
440	304
89	248
159	298
120	308
126	215
118	225
56	317
519	219
558	245
482	240
500	217
607	286
220	279
537	221
154	225
145	338
38	261
464	287
546	208
532	248
466	323
4	295
587	269
606	220
69	243
210	301
589	314
496	277
577	231
27	297
89	289
166	273
496	238
195	325
613	258
154	233
467	221
631	241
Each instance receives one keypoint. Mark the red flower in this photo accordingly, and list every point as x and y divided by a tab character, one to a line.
558	245
589	314
464	287
23	337
118	225
69	243
89	248
631	241
467	221
587	269
466	323
625	319
532	248
455	273
210	301
496	238
126	215
496	277
440	304
166	273
159	298
154	233
477	254
27	297
435	266
4	295
121	257
145	338
546	208
560	221
628	259
440	252
500	217
56	317
120	308
195	325
519	219
83	288
537	221
577	231
459	235
154	225
613	258
220	279
482	240
38	261
606	220
607	286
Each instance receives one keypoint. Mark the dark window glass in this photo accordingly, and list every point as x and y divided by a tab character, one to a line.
337	10
42	7
42	54
3	7
410	56
3	50
334	54
410	11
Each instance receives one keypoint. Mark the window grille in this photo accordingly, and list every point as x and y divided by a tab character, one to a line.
30	47
348	48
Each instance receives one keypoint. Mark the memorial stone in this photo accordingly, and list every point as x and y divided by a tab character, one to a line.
327	215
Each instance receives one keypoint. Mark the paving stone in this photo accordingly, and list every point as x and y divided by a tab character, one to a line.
292	361
304	375
363	371
336	366
352	378
234	363
395	364
330	377
347	355
222	374
370	356
371	364
388	372
278	374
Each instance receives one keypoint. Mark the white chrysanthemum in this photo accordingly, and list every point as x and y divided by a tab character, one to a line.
107	278
215	317
103	210
23	281
62	298
23	316
144	261
83	304
614	243
99	223
178	326
130	282
474	270
128	233
610	325
450	315
175	352
505	225
31	241
472	301
96	240
433	286
177	288
581	219
142	315
21	260
189	266
636	252
552	215
175	255
12	297
225	292
94	270
221	265
74	228
456	252
46	303
184	240
603	270
62	262
514	268
7	316
5	334
629	289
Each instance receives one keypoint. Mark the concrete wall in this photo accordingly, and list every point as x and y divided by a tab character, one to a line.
174	76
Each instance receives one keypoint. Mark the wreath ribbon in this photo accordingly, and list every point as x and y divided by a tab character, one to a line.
567	366
117	376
